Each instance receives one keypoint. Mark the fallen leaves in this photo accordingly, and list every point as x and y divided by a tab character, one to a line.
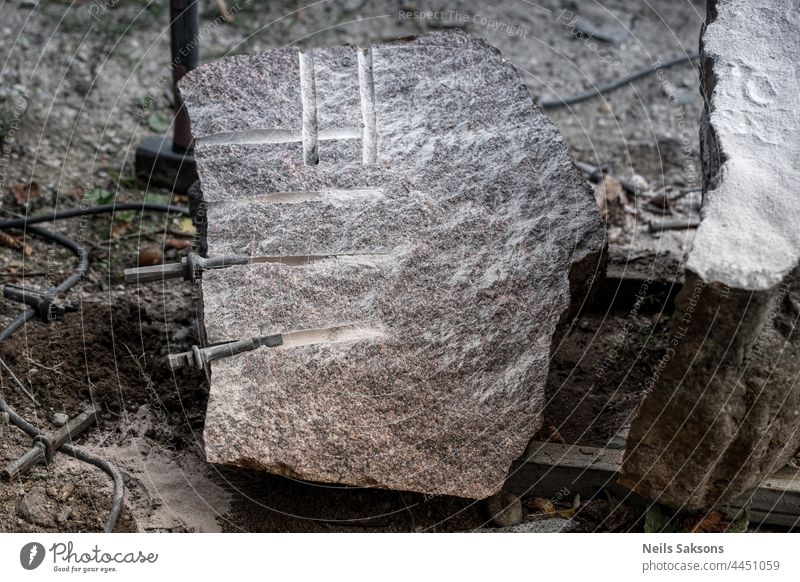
119	228
158	122
186	226
15	243
178	244
661	520
24	193
541	508
607	194
711	522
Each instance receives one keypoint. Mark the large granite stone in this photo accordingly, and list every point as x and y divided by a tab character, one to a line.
423	215
724	411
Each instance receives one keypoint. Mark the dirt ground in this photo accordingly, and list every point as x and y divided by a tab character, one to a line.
73	80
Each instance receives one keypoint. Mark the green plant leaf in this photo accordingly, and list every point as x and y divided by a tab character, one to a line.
158	123
658	521
740	525
100	196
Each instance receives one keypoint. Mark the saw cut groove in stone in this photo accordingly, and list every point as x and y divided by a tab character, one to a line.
347	333
267	136
318	196
366	83
308	94
351	332
365	259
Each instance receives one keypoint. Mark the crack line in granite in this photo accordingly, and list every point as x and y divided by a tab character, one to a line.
366	84
308	96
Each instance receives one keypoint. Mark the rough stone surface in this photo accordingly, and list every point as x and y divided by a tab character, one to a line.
555	525
455	256
505	509
724	410
37	508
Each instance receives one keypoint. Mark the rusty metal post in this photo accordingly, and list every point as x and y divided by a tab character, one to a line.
184	42
161	161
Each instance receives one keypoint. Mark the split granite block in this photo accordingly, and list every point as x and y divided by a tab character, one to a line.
418	218
724	412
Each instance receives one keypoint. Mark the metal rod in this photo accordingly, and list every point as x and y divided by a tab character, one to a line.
74	427
22	294
688	222
44	447
190	268
201	357
27	461
154	273
184	42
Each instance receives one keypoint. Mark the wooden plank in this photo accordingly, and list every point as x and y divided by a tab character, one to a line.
554	470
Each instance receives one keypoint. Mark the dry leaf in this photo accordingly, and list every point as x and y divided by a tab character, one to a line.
709	523
607	193
24	193
541	505
566	513
225	12
612	189
178	244
9	241
600	198
119	229
18	244
186	226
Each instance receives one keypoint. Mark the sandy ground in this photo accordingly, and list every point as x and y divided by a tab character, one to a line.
84	73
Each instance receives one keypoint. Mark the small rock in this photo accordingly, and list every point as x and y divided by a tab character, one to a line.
36	508
60	419
604	107
64	514
607	31
640	183
150	255
505	509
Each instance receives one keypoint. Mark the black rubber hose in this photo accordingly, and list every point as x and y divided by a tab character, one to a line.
102	209
596	91
116	476
81	455
64	286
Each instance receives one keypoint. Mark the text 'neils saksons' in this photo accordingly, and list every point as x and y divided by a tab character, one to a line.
664	548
